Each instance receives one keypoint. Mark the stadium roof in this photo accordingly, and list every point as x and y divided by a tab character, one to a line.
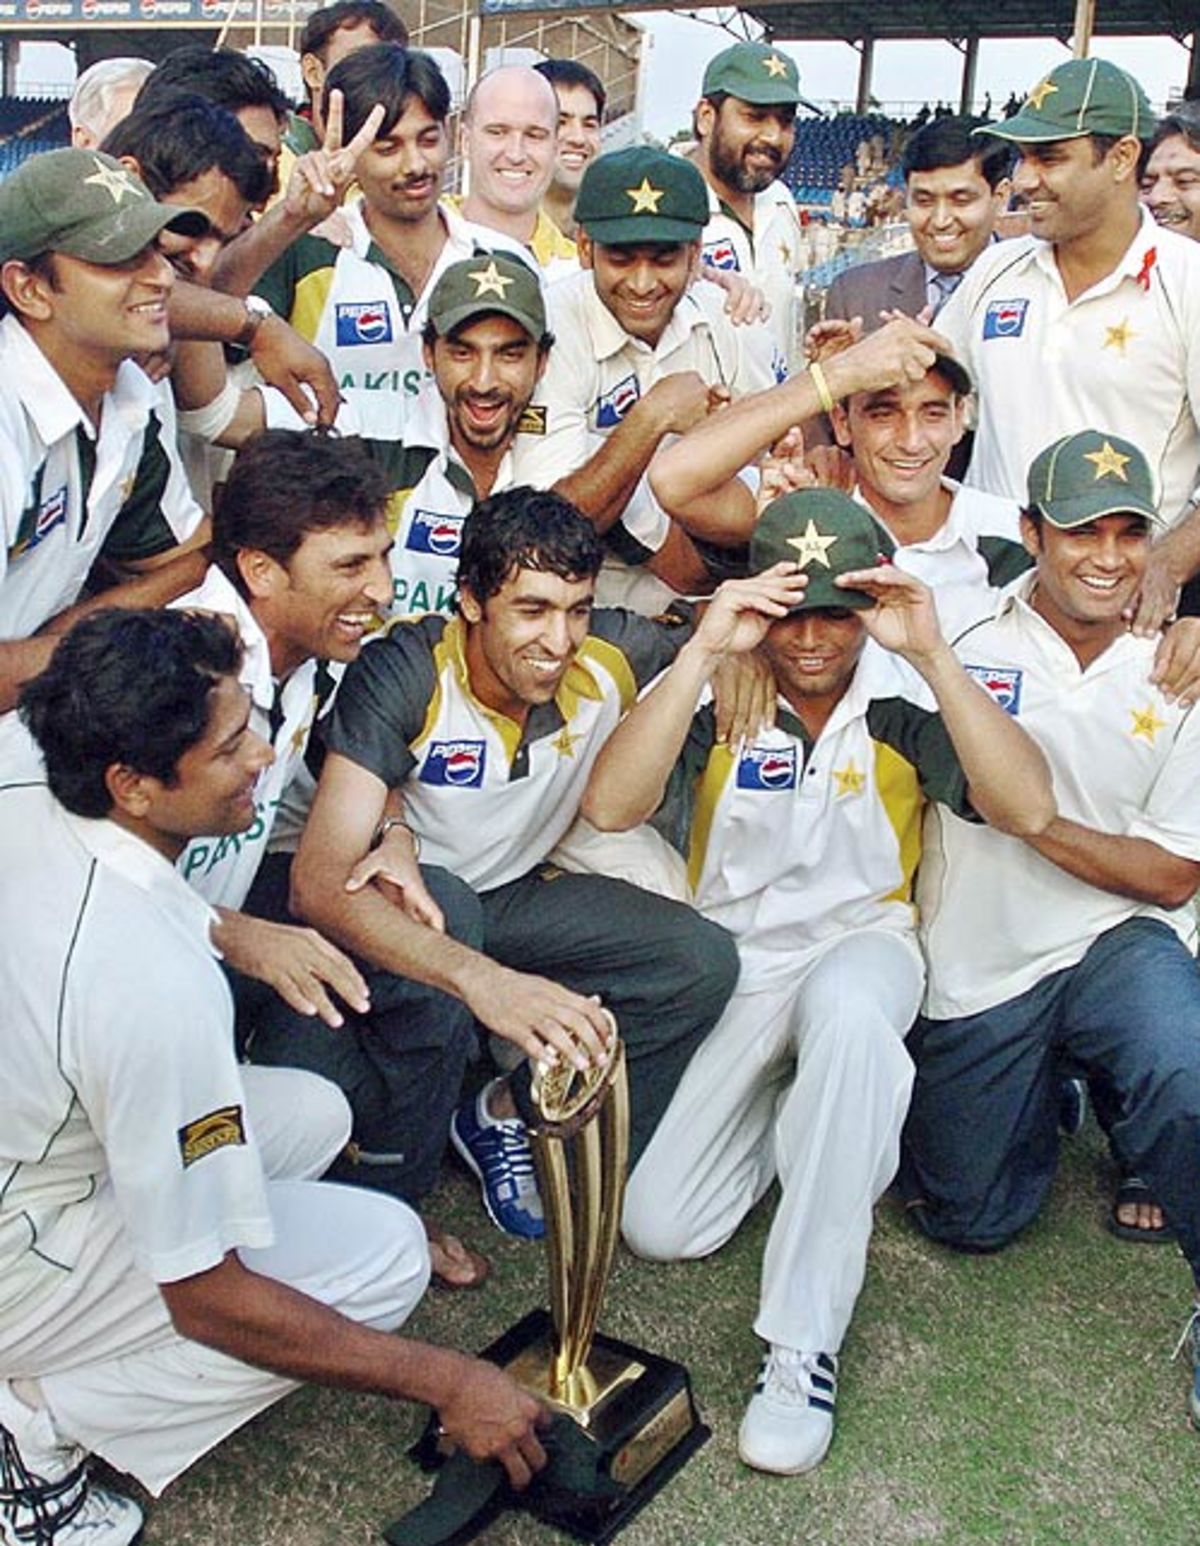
851	20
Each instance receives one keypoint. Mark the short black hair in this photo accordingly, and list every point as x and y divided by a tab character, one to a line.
181	136
322	24
387	73
223	75
1183	121
948	141
126	687
525	528
569	72
285	483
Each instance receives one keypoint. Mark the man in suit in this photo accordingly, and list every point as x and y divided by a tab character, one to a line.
955	192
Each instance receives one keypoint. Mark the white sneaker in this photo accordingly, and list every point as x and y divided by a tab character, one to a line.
788	1425
45	1498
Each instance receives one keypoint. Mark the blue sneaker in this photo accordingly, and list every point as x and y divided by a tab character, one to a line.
1191	1340
497	1150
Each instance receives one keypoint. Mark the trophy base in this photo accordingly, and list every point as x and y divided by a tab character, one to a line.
638	1420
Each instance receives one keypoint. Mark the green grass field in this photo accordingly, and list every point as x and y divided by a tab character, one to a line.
1026	1399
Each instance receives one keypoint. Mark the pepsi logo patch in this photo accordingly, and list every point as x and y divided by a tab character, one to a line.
431	532
722	254
767	767
1003	685
53	512
616	403
362	322
454	764
1005	319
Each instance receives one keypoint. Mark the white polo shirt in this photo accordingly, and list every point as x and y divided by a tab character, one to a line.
996	917
68	492
223	868
118	1059
768	256
597	372
489	798
973	555
793	844
1124	357
363	316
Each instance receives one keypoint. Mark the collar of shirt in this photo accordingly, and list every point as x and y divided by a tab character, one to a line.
946	536
606	336
1136	260
217	593
47	399
1015	610
543	717
134	859
428	428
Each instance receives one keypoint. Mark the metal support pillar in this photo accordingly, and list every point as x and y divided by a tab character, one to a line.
966	100
866	51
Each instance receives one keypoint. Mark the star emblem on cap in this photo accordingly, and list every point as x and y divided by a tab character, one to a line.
1117	337
490	281
1109	462
115	181
850	780
645	199
775	66
1146	724
1043	89
812	546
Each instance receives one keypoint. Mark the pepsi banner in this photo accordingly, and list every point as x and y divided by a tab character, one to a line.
55	15
507	7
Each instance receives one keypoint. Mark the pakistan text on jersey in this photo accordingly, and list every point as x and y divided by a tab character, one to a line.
203	855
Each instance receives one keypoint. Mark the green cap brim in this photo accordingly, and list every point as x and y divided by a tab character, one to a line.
1030	131
1069	513
133	229
821	594
635	230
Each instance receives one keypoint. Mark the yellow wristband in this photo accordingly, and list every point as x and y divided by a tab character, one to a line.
824	395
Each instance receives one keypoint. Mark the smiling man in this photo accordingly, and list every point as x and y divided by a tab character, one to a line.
85	469
1076	941
481	729
745	127
1171	181
581	103
1095	317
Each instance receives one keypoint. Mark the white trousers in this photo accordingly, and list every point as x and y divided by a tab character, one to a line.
809	1082
112	1371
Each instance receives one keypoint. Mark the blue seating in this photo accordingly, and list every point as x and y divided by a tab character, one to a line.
29	125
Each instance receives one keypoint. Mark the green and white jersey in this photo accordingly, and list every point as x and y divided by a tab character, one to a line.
363	316
597	372
488	797
69	493
223	868
793	843
996	917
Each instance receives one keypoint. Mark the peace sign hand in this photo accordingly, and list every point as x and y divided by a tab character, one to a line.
320	177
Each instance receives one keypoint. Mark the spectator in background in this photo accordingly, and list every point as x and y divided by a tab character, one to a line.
103	95
329	35
581	103
1171	181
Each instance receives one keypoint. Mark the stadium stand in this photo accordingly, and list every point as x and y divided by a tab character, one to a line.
29	125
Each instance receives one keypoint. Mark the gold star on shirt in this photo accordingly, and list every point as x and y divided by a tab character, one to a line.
645	199
1040	92
1146	724
1117	337
490	281
564	742
775	66
115	181
812	547
850	779
1109	462
125	487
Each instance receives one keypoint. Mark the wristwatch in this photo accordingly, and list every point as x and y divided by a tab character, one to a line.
257	312
386	825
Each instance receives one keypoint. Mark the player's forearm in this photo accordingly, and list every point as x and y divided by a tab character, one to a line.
263	1322
1132	867
604	484
1179	550
197	312
630	775
1006	772
20	661
247	258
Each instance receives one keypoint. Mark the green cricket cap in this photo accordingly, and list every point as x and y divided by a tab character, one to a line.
1084	476
87	205
828	534
1082	96
490	282
641	195
753	72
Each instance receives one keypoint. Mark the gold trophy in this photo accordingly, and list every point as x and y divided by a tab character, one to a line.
628	1420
